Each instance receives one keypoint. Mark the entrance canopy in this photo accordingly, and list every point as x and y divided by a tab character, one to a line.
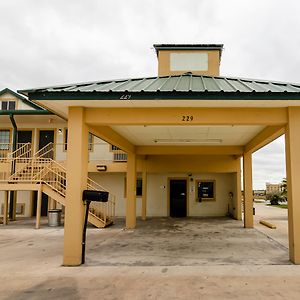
176	115
183	110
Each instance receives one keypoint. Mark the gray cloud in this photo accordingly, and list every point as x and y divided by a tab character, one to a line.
54	42
269	164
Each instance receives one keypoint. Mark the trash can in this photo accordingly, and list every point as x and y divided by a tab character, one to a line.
54	217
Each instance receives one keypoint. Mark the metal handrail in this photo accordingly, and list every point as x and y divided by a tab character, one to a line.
50	172
21	152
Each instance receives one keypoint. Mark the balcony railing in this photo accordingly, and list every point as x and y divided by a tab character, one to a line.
120	156
22	150
97	152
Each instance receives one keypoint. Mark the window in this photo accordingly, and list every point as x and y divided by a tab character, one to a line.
205	190
139	187
8	105
90	141
4	139
189	61
66	139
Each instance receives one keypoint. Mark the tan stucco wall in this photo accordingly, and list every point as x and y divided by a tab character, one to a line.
8	97
164	62
160	168
23	197
158	194
191	163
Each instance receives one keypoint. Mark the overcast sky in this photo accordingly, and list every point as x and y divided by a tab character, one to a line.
63	41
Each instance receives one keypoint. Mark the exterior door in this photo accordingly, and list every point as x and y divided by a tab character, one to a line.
44	208
24	136
46	137
178	198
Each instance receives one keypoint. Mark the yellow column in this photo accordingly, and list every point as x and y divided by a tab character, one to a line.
293	178
77	169
5	212
248	194
144	194
38	208
131	191
238	196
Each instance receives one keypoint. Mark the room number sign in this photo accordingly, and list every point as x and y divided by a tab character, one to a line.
187	118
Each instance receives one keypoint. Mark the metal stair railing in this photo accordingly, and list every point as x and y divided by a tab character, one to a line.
23	151
45	152
40	168
14	160
105	210
30	168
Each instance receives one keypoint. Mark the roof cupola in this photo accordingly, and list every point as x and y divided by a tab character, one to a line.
177	59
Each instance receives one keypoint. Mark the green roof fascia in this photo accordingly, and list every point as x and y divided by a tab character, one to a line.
25	112
127	96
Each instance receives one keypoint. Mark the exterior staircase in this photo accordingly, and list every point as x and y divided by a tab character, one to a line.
41	169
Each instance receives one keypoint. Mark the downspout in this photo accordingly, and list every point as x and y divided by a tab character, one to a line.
13	165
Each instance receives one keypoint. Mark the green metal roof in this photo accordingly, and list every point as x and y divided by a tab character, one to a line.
159	47
168	87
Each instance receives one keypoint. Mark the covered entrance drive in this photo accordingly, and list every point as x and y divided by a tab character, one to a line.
184	242
176	127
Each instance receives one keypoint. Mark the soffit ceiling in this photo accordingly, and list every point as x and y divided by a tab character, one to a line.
189	135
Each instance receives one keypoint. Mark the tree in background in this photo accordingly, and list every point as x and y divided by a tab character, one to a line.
284	189
275	198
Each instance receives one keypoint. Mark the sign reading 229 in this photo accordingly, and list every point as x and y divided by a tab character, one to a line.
187	118
125	97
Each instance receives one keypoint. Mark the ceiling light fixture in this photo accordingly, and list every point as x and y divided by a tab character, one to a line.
188	141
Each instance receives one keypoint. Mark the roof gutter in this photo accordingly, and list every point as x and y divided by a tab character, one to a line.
24	112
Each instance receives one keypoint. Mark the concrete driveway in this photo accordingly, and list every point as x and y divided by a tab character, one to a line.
184	242
162	259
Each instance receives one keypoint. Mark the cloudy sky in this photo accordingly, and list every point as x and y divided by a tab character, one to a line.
46	42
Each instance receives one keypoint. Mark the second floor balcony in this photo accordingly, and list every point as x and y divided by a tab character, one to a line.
98	152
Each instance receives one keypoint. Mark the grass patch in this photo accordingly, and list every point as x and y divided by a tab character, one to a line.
279	205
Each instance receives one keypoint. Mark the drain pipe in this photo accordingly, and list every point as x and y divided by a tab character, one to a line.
13	165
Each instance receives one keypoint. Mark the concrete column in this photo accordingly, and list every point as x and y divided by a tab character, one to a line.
293	179
77	170
38	208
5	210
144	194
238	196
248	193
131	191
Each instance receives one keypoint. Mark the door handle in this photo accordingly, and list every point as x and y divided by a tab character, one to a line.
182	194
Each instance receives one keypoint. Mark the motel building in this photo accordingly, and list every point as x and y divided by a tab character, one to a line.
169	146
